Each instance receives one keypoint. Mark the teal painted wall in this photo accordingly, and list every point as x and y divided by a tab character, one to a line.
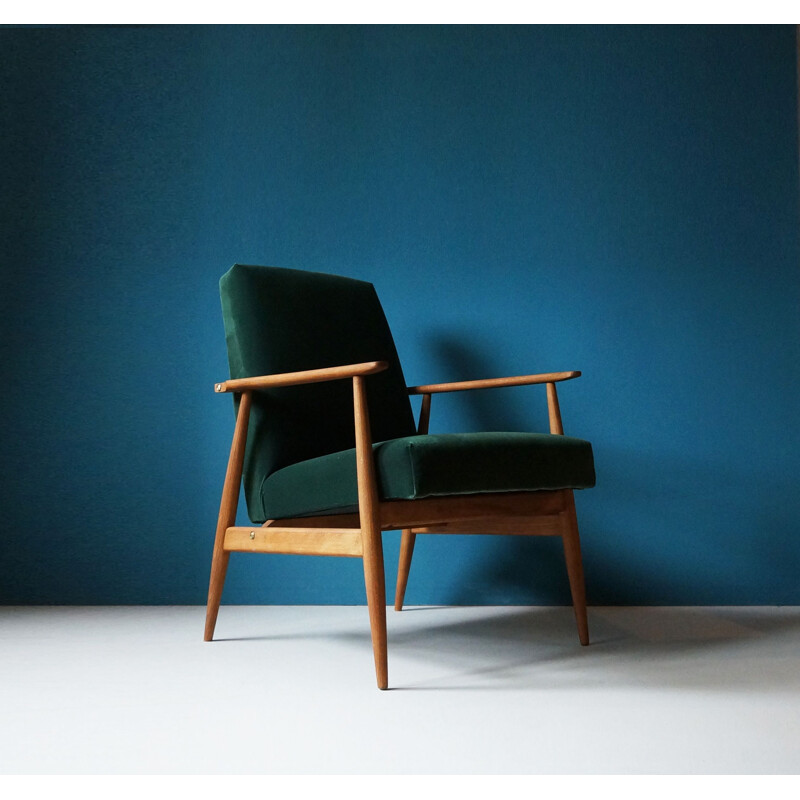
623	201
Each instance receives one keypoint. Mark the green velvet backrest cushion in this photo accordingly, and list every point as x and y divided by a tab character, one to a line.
284	320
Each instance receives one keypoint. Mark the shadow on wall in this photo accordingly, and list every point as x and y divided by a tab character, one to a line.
503	569
693	529
702	528
465	357
655	532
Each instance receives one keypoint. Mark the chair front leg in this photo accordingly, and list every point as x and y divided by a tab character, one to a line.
572	555
227	514
372	542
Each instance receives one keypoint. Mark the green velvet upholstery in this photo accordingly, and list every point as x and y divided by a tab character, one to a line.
284	320
433	465
300	457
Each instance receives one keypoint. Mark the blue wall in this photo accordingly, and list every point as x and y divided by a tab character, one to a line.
623	201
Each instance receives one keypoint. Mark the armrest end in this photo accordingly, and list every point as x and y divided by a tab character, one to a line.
297	378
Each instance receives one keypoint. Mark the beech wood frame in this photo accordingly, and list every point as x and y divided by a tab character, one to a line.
541	513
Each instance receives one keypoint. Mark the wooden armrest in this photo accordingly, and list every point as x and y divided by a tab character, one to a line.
306	376
492	383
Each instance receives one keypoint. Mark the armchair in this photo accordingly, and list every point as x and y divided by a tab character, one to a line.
330	456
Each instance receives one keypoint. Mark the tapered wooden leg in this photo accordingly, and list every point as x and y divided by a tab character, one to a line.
406	551
219	566
369	515
408	538
227	514
375	580
572	555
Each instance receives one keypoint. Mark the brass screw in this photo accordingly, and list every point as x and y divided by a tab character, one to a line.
252	534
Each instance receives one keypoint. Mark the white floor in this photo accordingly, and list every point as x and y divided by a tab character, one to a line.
291	690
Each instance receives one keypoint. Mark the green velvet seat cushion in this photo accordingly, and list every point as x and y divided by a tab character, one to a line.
432	465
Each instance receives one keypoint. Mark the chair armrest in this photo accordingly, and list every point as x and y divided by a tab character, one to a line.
492	383
306	376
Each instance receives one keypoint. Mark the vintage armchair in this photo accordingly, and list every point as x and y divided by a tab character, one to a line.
329	454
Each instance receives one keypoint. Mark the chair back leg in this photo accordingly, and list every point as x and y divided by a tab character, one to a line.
408	538
572	555
403	567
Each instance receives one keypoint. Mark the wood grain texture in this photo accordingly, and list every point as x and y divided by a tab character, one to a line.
296	541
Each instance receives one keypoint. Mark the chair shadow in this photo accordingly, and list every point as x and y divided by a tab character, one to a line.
464	357
712	649
668	648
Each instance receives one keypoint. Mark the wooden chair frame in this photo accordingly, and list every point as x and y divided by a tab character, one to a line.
541	513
